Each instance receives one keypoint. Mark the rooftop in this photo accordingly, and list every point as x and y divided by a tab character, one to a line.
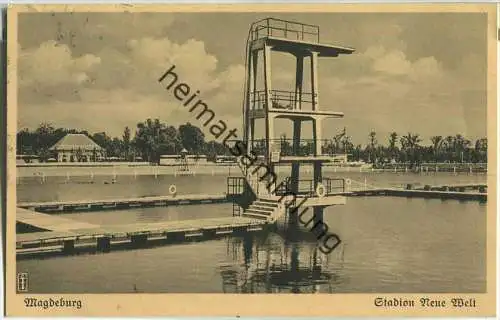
74	141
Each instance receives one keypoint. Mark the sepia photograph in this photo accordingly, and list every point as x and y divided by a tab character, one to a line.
250	154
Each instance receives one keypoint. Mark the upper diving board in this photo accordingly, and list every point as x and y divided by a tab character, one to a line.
291	36
288	45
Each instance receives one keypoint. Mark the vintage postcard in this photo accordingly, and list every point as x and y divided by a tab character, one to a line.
251	160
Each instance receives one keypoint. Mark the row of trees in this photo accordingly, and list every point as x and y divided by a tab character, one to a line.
408	148
153	138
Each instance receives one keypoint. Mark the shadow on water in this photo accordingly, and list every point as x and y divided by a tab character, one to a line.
280	261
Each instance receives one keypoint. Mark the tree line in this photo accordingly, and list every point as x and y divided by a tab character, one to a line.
408	148
153	138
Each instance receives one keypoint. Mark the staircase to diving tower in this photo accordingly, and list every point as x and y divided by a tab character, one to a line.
265	206
263	209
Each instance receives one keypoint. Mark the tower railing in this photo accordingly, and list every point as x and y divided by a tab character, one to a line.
307	147
235	185
306	187
281	99
278	28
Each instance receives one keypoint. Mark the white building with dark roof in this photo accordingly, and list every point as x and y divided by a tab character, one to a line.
77	147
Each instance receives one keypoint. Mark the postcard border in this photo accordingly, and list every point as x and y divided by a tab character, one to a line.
257	304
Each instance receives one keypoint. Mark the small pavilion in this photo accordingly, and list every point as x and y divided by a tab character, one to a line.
77	147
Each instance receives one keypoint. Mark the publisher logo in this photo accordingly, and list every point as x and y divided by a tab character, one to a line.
22	282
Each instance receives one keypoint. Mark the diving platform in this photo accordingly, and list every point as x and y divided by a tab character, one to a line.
281	44
295	114
305	159
287	151
287	104
305	114
290	36
329	200
307	201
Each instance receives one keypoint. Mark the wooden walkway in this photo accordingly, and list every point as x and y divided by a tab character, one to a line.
120	203
417	193
478	196
49	222
103	237
473	186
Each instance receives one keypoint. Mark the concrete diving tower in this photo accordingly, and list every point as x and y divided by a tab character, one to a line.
268	104
303	42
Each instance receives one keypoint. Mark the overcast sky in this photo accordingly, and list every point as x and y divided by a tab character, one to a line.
414	72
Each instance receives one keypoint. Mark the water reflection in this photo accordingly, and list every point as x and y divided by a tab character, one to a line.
279	262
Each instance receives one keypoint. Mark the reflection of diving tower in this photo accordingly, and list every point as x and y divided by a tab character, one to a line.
274	265
297	105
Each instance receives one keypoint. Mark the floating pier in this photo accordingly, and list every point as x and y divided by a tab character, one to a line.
481	187
36	221
454	195
445	195
115	204
75	235
455	191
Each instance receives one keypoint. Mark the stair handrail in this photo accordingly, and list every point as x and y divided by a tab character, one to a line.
252	179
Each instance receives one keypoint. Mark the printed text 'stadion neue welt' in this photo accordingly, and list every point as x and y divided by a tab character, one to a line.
425	302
